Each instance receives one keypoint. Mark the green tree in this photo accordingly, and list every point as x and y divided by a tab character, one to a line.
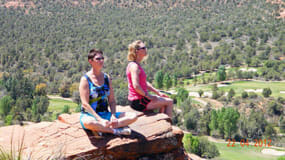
270	131
282	125
8	120
64	89
204	36
221	74
231	94
205	120
66	109
175	80
182	94
200	92
244	94
221	121
274	108
121	96
230	122
158	79
167	81
76	97
191	119
5	105
208	149
215	87
266	92
215	95
41	89
214	122
200	146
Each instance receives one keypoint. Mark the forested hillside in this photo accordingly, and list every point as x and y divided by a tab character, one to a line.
44	44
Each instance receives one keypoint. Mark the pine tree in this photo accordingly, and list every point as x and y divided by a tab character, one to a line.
221	74
167	81
158	79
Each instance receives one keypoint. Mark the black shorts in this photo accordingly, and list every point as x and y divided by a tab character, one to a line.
140	104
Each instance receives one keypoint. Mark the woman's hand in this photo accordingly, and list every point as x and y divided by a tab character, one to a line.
114	122
151	97
105	122
162	95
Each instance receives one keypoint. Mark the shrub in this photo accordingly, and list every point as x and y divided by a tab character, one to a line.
208	150
182	95
78	108
281	100
121	96
244	94
252	95
266	92
231	94
236	102
200	146
281	158
65	109
191	119
208	46
201	92
215	95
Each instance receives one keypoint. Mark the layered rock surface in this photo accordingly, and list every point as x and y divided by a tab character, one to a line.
152	137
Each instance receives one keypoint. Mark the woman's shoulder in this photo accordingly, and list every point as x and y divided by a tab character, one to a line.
133	65
85	76
106	75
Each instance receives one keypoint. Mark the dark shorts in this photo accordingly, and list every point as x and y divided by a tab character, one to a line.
140	104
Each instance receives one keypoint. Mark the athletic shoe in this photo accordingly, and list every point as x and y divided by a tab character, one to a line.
123	131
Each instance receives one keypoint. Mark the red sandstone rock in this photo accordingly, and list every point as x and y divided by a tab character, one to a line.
153	137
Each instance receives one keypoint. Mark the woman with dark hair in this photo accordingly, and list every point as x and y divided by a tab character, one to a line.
96	93
139	97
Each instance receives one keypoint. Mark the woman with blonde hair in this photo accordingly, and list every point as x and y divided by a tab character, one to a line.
138	96
96	95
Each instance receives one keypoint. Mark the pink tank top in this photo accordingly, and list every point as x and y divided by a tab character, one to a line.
133	95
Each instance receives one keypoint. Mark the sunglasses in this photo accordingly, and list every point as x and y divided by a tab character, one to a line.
99	58
141	48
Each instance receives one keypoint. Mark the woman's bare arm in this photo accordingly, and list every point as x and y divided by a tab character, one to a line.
134	69
84	96
111	97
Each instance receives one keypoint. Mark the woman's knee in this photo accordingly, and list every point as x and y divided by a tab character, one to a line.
129	115
132	115
169	101
90	124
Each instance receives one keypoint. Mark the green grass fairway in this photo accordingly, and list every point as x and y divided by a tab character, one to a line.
241	153
240	86
56	105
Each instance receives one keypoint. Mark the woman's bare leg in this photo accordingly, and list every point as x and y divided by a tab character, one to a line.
93	125
126	118
164	104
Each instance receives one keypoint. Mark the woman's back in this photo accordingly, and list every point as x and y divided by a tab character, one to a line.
133	95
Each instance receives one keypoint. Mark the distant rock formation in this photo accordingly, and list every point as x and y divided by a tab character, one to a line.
153	137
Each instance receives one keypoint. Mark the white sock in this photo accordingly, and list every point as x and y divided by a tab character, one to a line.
115	131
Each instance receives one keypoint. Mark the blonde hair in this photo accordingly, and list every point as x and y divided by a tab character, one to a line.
132	56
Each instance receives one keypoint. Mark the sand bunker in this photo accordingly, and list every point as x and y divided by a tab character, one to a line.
222	85
248	69
196	94
254	90
273	152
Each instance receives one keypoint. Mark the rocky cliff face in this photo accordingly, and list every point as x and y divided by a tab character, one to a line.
153	137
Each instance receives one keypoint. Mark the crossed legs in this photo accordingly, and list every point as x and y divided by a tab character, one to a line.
124	119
